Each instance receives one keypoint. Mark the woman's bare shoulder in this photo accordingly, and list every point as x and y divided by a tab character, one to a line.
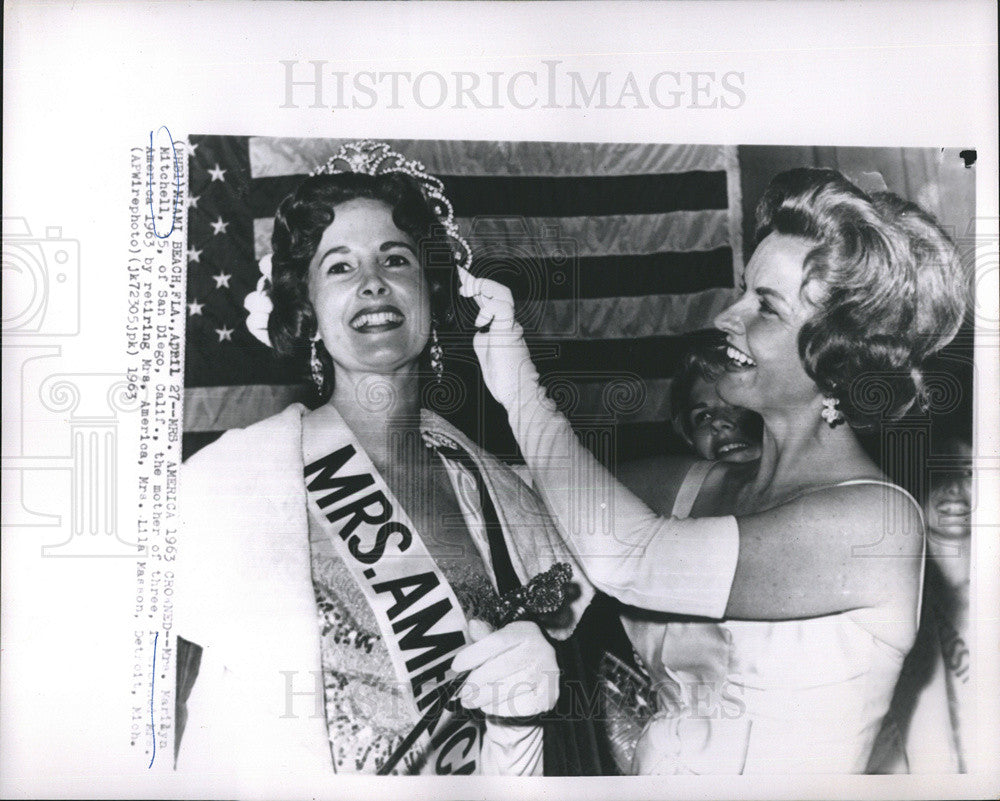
838	548
882	529
873	508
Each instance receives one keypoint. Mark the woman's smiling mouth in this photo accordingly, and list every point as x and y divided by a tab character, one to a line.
733	446
376	319
738	360
952	509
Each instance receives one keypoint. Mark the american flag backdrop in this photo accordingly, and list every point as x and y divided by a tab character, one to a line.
613	251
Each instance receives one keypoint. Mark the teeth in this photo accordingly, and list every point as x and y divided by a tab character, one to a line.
739	356
377	318
734	446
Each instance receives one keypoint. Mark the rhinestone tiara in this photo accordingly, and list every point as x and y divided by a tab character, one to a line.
377	158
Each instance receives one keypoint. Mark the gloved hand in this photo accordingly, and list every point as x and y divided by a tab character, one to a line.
514	670
501	350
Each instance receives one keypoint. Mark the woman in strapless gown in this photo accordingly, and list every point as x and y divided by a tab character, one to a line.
793	586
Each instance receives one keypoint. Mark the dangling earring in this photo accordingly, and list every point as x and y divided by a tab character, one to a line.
831	413
437	356
316	366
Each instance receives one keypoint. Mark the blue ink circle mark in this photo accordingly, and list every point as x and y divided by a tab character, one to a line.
177	178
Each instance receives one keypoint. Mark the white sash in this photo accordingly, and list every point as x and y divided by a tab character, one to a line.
420	619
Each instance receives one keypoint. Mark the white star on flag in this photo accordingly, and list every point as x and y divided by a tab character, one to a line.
194	254
219	227
188	147
222	280
218	174
194	307
192	201
225	334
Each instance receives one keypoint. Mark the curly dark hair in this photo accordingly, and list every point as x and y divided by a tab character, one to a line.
886	281
299	224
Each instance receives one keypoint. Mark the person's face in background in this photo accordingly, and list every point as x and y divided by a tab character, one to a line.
948	511
719	431
949	500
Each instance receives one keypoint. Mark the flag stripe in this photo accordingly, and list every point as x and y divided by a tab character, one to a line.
597	197
625	398
624	275
647	357
557	237
611	234
271	157
624	317
548	196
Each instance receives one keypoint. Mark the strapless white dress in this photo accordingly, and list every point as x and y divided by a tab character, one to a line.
744	696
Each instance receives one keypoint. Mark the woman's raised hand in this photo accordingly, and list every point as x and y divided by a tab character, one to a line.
499	342
514	670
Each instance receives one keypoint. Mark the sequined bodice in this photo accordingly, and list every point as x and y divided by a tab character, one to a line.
367	711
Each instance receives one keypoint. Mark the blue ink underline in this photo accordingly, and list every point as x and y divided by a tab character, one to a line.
152	696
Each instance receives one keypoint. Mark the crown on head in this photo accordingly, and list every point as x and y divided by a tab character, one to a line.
369	158
377	158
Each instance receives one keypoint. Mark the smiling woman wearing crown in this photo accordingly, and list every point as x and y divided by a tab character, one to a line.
336	557
806	572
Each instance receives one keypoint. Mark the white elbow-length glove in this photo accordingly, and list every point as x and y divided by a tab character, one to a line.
626	549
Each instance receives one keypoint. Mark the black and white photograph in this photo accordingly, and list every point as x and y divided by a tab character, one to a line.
655	300
604	406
